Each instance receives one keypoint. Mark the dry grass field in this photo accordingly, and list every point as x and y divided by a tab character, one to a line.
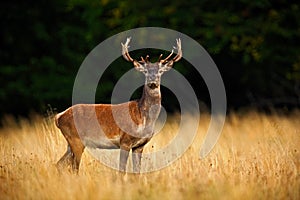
256	157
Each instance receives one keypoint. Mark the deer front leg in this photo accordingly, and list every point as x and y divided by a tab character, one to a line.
136	159
123	159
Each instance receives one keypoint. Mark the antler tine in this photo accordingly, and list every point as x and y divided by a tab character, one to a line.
142	60
160	56
147	58
125	52
166	59
179	53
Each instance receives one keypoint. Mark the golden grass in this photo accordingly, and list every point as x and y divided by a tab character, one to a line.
257	157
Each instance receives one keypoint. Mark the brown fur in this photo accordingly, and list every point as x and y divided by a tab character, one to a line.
98	125
65	122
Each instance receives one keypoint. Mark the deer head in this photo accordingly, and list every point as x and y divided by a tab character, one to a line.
153	71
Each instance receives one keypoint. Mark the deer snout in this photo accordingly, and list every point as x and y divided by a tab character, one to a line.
152	85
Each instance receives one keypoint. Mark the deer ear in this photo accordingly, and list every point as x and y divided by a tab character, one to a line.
167	66
138	66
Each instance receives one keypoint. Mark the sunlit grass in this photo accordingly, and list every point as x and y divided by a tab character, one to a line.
257	157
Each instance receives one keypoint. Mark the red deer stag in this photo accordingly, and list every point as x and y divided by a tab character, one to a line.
139	129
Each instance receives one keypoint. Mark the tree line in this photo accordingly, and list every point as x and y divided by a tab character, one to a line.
255	45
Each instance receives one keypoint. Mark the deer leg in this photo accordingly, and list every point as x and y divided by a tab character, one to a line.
66	160
123	159
77	149
72	156
136	159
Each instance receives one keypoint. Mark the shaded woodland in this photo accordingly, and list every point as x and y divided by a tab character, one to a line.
255	44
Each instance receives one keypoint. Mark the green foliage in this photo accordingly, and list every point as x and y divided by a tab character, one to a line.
255	44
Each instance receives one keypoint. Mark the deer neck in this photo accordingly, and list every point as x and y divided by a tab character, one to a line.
149	106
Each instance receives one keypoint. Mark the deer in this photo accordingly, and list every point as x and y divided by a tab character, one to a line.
138	128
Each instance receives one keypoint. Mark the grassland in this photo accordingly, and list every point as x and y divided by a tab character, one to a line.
257	157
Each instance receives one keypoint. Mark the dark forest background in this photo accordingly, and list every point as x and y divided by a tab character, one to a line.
255	44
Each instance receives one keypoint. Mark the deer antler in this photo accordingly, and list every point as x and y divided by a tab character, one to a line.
125	52
146	60
177	57
126	55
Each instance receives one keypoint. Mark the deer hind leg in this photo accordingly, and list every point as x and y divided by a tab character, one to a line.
77	148
65	160
72	156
